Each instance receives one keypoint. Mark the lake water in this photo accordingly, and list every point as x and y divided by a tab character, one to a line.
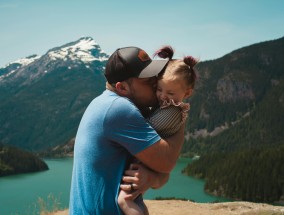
20	194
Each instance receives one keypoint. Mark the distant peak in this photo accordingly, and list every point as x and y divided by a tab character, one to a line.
86	38
84	49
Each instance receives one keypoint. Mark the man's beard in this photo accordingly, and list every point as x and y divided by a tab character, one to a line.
141	105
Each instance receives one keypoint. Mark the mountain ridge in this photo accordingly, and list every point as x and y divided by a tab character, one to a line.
58	89
242	77
42	99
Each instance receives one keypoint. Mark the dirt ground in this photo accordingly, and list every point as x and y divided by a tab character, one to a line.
177	207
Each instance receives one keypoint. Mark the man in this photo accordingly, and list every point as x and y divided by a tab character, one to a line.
112	130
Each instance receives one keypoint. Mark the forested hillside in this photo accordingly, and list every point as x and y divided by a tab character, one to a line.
250	175
42	102
15	161
263	125
242	120
230	87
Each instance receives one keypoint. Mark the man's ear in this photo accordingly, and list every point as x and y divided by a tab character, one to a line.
122	88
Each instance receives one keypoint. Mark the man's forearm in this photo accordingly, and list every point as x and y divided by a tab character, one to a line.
162	156
175	143
159	179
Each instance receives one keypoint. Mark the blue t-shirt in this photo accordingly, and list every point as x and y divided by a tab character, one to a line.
111	130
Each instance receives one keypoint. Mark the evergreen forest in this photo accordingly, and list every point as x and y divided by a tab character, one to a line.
15	161
250	175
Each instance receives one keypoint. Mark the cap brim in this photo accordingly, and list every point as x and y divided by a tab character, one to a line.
153	69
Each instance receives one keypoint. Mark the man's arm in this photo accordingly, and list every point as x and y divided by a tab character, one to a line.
162	155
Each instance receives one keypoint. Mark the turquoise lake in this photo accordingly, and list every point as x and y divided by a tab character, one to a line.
20	194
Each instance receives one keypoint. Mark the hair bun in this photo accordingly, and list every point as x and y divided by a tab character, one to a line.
190	61
165	52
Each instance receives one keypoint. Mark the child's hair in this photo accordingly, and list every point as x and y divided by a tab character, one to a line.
177	69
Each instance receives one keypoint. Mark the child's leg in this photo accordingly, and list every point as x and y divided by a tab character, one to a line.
128	207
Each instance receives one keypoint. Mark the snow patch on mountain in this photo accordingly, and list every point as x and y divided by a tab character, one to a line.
81	50
25	61
28	60
14	66
6	75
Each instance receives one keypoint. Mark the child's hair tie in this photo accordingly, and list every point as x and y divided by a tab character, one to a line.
190	61
165	52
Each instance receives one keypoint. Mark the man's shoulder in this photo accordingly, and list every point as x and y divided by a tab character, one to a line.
111	98
123	105
115	104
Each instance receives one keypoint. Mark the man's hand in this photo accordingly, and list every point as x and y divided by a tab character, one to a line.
138	178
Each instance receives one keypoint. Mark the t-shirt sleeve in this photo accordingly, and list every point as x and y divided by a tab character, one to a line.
125	125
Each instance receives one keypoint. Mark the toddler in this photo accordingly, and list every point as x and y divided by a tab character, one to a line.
174	85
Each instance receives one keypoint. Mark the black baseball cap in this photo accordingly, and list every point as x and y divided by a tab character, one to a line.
132	62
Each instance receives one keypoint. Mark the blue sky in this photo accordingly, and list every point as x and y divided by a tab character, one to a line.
207	29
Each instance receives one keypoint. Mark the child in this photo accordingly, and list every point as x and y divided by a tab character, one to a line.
174	85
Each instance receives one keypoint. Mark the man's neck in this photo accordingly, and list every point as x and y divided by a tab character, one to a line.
110	87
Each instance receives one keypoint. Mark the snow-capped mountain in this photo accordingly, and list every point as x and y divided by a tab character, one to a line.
44	97
84	51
